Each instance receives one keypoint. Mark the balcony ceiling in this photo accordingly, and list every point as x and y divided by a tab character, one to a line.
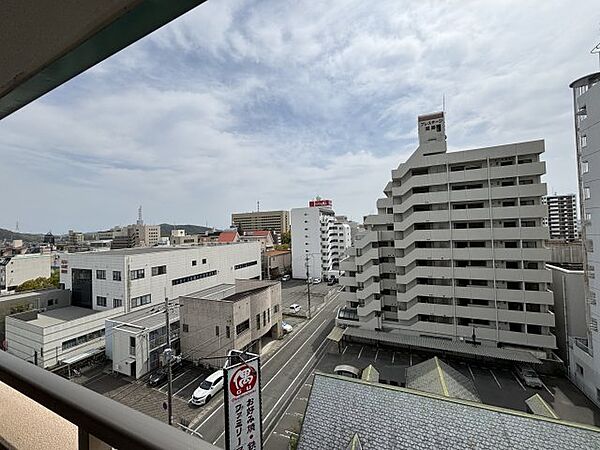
44	43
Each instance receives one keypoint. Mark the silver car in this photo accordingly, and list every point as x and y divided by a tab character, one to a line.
529	377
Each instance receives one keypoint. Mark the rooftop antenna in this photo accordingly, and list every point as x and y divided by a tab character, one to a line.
17	226
258	206
596	51
444	103
140	221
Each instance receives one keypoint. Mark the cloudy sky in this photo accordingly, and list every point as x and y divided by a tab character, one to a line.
279	101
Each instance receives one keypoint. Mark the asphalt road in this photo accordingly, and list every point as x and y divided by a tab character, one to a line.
283	374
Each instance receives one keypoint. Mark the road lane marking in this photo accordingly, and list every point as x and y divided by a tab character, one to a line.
495	379
473	376
518	381
410	355
360	353
376	353
393	357
195	379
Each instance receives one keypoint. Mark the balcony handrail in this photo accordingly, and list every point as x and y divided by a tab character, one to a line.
109	421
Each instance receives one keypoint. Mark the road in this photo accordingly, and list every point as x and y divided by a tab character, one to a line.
282	374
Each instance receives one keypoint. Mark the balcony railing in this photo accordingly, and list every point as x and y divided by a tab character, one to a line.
97	418
582	344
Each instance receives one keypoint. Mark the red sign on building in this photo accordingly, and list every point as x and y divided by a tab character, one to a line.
320	202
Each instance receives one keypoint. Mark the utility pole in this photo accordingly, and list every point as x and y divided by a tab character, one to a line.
168	352
308	287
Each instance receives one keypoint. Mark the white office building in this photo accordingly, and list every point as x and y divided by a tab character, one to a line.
312	234
457	248
584	351
15	270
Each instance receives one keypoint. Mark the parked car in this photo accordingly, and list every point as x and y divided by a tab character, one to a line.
331	282
161	375
529	377
295	308
286	327
316	281
207	389
285	278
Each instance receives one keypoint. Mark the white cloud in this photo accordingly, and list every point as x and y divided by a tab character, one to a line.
278	101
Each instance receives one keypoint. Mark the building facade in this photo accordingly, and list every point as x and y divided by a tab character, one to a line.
584	363
457	248
562	217
136	235
227	317
276	263
277	221
16	270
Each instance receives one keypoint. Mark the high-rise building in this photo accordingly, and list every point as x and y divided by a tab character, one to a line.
278	221
584	351
456	250
562	217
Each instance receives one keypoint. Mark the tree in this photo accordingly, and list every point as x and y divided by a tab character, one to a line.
286	238
40	283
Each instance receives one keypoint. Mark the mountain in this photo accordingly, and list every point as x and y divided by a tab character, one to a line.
165	229
12	235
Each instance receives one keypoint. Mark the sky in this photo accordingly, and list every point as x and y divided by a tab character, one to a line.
278	101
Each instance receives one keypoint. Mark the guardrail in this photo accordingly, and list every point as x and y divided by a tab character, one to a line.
97	417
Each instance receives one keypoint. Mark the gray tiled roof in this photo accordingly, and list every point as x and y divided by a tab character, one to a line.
437	377
386	417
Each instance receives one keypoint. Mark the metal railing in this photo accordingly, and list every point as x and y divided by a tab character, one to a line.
95	416
582	344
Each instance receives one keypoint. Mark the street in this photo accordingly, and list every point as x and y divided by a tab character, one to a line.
282	374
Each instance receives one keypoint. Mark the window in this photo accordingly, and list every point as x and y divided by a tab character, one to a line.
579	369
227	332
583	141
529	244
586	193
275	309
137	274
117	302
198	276
101	274
528	223
159	270
116	275
247	264
269	315
203	260
585	167
258	321
141	300
194	262
512	264
240	328
51	302
82	339
185	327
100	301
216	330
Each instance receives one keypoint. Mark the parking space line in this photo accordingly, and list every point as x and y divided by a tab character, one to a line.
172	381
518	381
345	348
376	353
188	383
546	387
393	357
471	372
495	379
410	359
360	353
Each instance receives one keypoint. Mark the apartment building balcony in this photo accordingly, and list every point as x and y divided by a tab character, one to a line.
471	214
347	281
475	253
423	235
581	349
348	264
473	234
528	233
370	272
527	190
379	219
527	254
366	256
524	212
419	199
464	195
425	290
423	253
51	412
468	175
429	179
481	332
348	297
477	273
371	289
424	272
482	293
430	309
476	312
386	202
371	307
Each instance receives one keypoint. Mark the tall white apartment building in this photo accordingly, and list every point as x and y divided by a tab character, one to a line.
562	217
456	248
341	239
584	351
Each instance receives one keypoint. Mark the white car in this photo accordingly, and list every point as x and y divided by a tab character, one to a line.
295	308
316	281
207	389
286	327
285	278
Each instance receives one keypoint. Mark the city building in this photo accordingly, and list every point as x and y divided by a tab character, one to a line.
562	217
584	358
49	238
355	227
456	250
18	269
341	239
179	237
26	301
346	413
264	237
568	288
276	263
312	230
229	316
228	237
135	341
136	235
107	284
277	221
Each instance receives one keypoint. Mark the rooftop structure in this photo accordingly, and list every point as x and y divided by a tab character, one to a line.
342	411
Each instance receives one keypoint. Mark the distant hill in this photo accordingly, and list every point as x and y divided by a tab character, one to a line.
165	229
12	235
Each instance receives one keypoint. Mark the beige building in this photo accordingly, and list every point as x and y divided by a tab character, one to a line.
278	221
16	270
136	235
276	263
457	248
227	317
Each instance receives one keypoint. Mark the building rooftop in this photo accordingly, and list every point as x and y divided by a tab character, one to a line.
342	410
146	318
228	236
54	316
437	377
232	292
19	295
277	252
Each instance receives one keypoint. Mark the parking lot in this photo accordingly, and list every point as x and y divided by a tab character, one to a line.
497	385
295	292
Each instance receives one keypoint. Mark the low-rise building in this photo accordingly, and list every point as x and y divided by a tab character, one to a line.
227	317
264	237
16	270
135	341
276	263
136	235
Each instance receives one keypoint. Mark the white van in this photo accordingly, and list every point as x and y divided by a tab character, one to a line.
207	389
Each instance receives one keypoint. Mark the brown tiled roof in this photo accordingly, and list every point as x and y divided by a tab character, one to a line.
228	236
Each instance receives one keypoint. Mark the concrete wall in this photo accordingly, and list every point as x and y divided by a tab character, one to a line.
22	268
569	307
565	252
